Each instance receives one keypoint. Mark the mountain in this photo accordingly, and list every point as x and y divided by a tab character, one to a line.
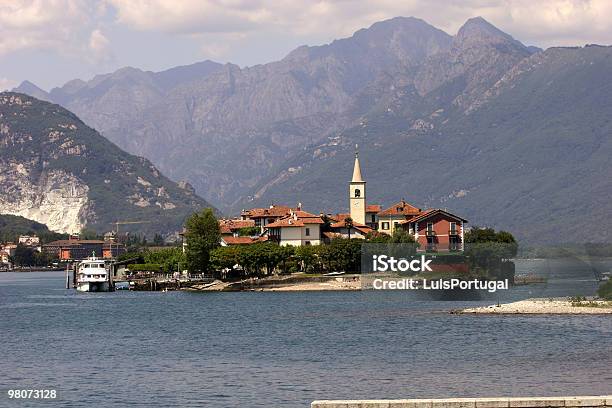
57	171
531	154
508	135
225	129
12	226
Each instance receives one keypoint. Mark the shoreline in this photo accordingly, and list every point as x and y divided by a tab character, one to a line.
542	307
290	283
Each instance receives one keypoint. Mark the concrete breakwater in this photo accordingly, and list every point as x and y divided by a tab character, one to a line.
521	402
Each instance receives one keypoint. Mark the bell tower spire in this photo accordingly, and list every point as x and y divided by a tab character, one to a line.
357	193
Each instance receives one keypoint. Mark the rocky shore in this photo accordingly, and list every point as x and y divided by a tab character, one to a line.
283	283
544	306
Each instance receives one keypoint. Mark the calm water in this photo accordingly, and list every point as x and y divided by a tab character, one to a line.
286	349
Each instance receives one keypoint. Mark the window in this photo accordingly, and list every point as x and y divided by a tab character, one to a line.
385	225
430	226
373	217
395	224
357	193
307	231
453	227
307	243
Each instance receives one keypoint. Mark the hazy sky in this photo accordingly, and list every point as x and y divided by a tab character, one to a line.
52	41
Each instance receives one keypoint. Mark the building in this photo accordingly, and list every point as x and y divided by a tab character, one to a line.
340	228
390	218
74	249
357	194
437	230
264	216
4	257
297	229
29	240
233	227
372	211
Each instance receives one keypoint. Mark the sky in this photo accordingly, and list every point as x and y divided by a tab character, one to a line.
50	42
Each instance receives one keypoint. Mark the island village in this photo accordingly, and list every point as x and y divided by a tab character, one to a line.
433	229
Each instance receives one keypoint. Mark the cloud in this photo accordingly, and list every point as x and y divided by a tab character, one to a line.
100	46
548	22
68	27
7	84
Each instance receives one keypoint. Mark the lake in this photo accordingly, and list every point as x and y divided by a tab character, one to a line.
274	349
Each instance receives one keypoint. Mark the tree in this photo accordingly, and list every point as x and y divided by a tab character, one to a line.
170	258
401	236
249	231
348	224
202	235
491	251
24	256
158	240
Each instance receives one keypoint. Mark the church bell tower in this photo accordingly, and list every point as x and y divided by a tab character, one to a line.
357	193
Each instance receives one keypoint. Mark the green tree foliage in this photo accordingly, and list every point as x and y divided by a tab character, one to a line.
342	255
26	256
170	259
308	258
12	226
605	290
158	240
87	233
202	236
490	252
249	231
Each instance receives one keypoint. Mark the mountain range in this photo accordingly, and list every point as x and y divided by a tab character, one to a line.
506	134
56	170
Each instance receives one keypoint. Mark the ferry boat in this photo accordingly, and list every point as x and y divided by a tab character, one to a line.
92	276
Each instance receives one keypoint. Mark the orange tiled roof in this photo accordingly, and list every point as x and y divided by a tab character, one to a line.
359	227
400	208
239	240
272	211
373	208
339	217
73	242
296	219
229	226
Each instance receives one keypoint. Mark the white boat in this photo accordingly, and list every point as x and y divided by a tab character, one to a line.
92	276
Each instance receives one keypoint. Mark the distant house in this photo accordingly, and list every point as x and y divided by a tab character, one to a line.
233	227
339	228
297	229
391	218
73	249
264	216
29	240
4	257
372	211
437	230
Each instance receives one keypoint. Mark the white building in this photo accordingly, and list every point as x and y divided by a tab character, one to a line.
297	229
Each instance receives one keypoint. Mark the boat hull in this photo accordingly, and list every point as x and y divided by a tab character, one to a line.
93	287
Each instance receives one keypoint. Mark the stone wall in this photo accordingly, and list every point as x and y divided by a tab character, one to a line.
522	402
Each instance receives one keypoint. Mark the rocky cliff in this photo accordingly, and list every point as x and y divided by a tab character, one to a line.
56	170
